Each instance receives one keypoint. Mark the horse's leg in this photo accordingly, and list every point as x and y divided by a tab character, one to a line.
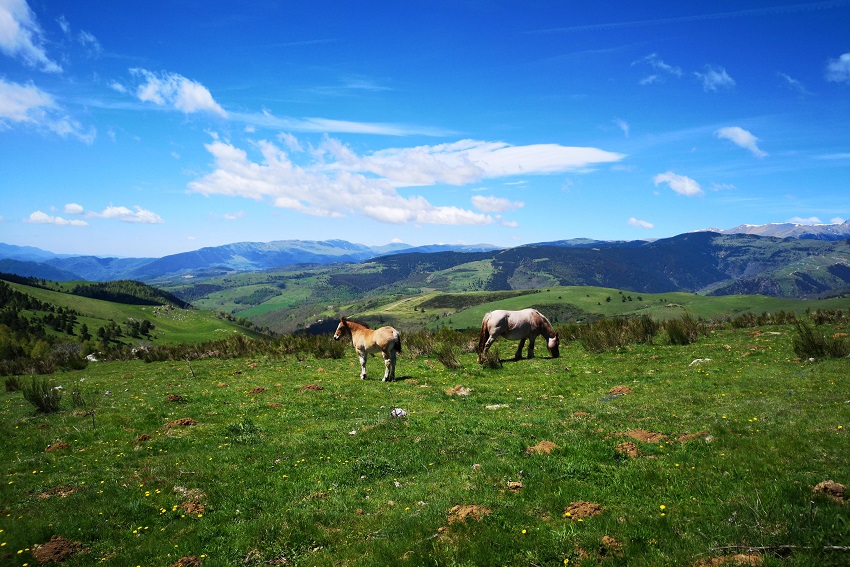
487	344
518	355
389	366
362	354
531	346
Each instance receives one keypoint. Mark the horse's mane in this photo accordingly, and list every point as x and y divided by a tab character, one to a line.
355	323
544	322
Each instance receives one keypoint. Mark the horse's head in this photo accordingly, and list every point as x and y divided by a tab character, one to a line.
553	344
342	328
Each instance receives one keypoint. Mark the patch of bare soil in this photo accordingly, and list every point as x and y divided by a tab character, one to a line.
736	559
629	449
221	385
60	491
620	391
189	561
542	448
645	436
192	508
610	547
458	391
685	437
182	422
514	486
311	388
274	405
581	414
190	493
57	550
57	446
257	390
468	511
174	397
832	490
580	510
142	438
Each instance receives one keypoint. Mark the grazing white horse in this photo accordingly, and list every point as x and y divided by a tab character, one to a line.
365	341
517	325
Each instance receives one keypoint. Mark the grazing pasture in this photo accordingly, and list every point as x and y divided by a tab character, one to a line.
651	454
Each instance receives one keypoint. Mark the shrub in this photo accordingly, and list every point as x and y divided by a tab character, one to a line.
491	359
13	384
684	330
43	394
810	343
446	353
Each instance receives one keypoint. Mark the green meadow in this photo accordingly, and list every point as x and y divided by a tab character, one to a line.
650	454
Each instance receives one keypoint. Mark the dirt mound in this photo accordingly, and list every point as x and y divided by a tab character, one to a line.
192	508
542	448
182	422
645	436
514	485
190	561
257	390
737	559
142	438
174	397
468	511
57	550
832	490
580	510
610	547
57	446
311	388
685	437
620	391
629	449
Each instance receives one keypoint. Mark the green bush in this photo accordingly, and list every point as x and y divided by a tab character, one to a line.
13	384
684	330
810	343
43	394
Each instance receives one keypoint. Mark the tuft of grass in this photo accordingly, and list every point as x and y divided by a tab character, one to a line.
43	394
815	343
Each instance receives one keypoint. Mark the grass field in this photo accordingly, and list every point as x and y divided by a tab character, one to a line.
653	455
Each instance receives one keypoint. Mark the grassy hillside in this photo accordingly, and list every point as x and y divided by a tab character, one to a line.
171	325
655	455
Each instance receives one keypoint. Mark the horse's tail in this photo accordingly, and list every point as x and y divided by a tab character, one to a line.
484	334
397	346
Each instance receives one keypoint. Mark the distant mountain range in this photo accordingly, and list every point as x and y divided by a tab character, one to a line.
786	260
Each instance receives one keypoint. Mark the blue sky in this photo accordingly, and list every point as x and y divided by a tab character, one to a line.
141	128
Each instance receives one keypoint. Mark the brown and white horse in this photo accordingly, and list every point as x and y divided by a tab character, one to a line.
365	341
517	325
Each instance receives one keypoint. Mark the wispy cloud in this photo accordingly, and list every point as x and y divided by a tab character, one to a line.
31	106
794	85
175	91
337	182
657	63
266	119
715	78
495	204
622	125
637	223
838	70
742	138
21	36
679	183
808	221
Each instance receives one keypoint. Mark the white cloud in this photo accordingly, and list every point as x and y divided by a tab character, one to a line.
838	70
495	204
124	214
73	209
742	138
715	78
806	221
337	182
469	161
39	217
640	223
27	104
837	220
21	36
173	90
679	183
